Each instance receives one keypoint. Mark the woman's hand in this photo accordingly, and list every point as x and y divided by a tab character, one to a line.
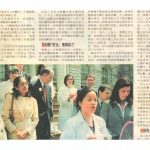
73	96
21	134
91	137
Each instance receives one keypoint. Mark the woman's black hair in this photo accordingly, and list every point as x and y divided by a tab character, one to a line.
66	77
81	94
15	85
40	67
121	83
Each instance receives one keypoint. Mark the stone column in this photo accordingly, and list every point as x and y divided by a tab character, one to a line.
60	74
2	72
50	66
32	70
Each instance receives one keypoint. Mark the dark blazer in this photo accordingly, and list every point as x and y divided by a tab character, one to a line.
100	107
37	92
44	107
114	118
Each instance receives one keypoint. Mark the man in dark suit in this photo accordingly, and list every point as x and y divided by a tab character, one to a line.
41	91
104	93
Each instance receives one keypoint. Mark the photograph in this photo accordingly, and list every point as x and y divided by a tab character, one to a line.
66	101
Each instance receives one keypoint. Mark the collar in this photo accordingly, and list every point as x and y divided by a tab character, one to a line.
81	118
99	100
92	88
125	104
9	81
41	82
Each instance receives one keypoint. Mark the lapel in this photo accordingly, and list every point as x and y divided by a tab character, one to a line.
118	112
49	100
100	107
128	112
48	92
83	128
39	86
82	125
96	125
99	129
97	112
19	105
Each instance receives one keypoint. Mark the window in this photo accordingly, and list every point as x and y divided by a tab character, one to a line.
84	73
106	75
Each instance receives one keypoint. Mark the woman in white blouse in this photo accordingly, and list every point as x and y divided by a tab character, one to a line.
66	98
25	112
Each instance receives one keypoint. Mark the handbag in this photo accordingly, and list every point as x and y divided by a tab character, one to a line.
11	112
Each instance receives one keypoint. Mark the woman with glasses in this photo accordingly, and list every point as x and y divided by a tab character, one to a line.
66	98
24	118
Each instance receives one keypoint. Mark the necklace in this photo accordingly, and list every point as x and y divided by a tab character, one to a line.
90	124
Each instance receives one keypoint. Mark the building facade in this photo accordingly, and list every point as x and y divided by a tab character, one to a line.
104	74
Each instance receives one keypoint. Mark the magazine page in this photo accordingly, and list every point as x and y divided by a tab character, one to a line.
86	69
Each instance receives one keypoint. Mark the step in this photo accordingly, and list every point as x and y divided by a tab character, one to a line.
56	107
55	102
55	111
55	132
55	118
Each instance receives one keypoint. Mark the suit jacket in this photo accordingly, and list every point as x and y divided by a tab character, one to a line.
99	107
37	92
25	116
76	128
114	118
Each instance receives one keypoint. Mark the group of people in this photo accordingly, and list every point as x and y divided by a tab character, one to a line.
99	115
83	113
27	108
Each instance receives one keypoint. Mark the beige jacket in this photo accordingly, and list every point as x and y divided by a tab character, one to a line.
25	116
2	130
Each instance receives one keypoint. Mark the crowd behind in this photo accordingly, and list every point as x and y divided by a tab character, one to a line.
26	107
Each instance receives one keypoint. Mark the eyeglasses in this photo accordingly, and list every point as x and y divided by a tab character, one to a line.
69	79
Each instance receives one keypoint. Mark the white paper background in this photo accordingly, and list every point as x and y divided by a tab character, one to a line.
74	4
